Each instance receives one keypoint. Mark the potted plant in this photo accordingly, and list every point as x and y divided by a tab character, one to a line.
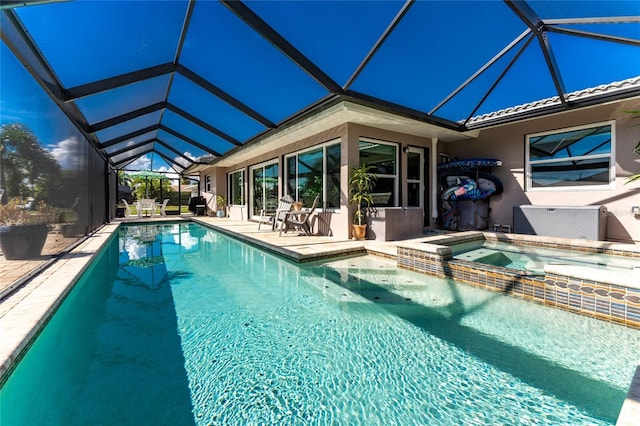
220	205
23	231
361	183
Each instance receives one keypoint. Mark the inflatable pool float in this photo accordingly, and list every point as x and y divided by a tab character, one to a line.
485	181
470	164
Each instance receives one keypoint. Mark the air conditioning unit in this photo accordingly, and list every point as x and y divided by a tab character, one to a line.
586	222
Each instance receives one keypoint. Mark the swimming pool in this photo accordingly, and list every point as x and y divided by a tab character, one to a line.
176	324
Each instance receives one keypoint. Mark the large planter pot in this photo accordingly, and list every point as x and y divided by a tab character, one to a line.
359	232
19	242
70	230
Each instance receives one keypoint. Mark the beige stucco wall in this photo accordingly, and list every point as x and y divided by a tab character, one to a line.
277	153
349	133
358	131
507	143
218	186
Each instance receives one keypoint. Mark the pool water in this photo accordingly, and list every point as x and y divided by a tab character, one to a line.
180	325
534	259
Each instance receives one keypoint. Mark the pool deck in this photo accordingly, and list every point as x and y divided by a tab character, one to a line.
25	312
298	247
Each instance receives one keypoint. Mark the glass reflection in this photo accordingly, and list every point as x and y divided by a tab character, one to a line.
45	159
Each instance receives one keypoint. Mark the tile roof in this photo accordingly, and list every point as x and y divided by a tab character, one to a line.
604	90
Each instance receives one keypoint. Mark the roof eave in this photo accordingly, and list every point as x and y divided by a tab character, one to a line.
554	109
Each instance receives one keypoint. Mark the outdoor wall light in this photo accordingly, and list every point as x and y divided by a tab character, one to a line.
635	210
405	149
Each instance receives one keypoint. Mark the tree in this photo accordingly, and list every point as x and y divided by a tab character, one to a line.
26	168
143	187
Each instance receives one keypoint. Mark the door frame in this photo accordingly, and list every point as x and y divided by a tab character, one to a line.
423	181
251	200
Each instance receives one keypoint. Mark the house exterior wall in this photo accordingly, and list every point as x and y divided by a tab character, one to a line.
338	222
218	186
507	143
413	220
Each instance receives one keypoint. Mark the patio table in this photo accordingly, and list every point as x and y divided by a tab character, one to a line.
147	206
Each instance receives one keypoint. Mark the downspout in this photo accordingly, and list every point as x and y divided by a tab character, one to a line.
434	181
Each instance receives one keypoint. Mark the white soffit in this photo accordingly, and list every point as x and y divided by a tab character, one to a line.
344	112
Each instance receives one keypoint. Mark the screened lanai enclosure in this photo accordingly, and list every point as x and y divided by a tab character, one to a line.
93	89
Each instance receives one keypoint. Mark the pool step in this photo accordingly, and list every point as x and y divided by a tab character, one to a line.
484	256
355	284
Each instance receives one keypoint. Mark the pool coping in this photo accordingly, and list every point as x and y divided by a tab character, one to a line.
289	246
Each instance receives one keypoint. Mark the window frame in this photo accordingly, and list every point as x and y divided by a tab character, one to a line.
242	187
395	177
251	201
207	183
324	145
611	156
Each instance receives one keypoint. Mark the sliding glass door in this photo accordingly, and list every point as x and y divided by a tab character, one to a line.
264	188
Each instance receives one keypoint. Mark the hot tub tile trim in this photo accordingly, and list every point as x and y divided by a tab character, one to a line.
602	300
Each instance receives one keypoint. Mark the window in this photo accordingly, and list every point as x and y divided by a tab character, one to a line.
236	188
207	183
383	159
264	188
576	158
315	172
415	177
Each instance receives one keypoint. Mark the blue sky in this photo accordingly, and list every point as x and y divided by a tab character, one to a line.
436	47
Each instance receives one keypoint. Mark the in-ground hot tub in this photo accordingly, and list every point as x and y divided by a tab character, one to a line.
534	259
595	278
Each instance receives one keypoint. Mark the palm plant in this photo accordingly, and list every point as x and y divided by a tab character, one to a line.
220	205
361	183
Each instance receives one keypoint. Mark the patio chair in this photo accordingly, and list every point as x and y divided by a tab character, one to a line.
127	209
163	206
284	206
300	219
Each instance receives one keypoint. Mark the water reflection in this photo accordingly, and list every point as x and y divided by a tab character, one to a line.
141	258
